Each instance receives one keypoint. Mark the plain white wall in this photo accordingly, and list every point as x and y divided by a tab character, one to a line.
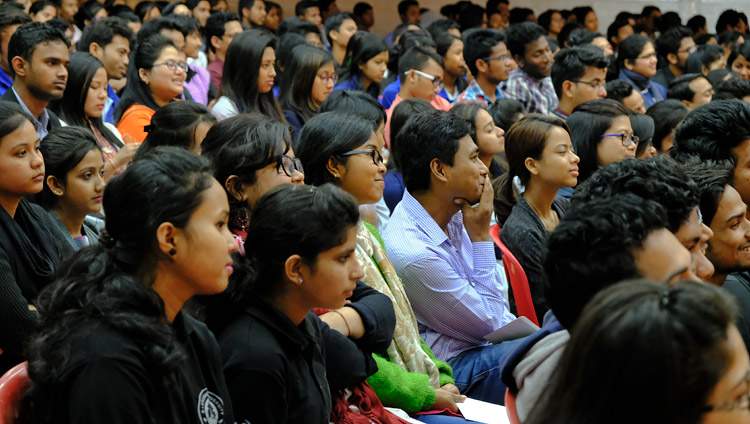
386	17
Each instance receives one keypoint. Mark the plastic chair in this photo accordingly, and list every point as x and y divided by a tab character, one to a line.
14	386
516	277
510	407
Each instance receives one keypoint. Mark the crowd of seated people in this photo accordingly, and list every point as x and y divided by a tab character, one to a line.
212	215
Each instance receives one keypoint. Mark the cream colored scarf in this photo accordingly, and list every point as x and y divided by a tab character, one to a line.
405	350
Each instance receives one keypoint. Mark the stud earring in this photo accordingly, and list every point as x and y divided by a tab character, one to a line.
172	252
299	280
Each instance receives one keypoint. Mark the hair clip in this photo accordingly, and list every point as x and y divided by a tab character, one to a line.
149	128
665	299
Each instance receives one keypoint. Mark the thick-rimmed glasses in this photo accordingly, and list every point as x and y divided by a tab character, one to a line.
435	81
328	78
592	84
289	165
374	153
502	57
625	138
172	65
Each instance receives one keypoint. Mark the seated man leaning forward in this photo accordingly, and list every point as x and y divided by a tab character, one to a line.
438	241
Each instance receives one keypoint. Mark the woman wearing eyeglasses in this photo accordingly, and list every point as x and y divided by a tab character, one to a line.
156	75
251	154
601	134
343	149
636	57
309	78
247	84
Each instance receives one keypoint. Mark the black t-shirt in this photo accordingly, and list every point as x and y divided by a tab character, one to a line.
107	379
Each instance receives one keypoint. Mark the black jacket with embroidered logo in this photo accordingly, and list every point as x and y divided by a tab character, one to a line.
107	380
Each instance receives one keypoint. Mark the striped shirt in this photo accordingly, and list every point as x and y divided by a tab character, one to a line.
535	96
452	283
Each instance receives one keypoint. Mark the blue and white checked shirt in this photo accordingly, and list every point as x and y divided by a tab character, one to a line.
535	96
452	283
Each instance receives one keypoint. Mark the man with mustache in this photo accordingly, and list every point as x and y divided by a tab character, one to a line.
39	58
530	83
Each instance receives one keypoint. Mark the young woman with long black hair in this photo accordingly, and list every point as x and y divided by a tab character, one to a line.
31	245
113	343
365	64
541	155
251	154
282	363
247	84
310	76
82	105
73	183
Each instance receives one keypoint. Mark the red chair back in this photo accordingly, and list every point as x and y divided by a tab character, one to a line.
510	407
516	278
14	386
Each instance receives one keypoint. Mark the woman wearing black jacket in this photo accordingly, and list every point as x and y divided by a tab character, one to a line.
281	361
114	345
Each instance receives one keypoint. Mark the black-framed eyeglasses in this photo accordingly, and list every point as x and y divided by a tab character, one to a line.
289	165
374	153
503	57
172	65
742	403
625	138
592	84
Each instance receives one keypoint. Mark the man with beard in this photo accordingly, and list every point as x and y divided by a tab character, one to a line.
675	45
530	83
39	57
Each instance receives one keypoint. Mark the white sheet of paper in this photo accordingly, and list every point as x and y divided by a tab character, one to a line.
519	327
483	412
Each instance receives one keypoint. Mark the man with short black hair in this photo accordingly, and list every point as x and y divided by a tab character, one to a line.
221	27
733	88
692	90
109	40
488	60
598	243
579	74
253	13
718	131
530	83
309	11
648	19
730	20
364	15
618	31
339	29
409	12
440	246
662	180
674	45
39	57
11	17
503	6
328	8
421	73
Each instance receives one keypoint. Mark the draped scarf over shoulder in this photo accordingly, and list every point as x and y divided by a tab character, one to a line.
406	349
32	252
